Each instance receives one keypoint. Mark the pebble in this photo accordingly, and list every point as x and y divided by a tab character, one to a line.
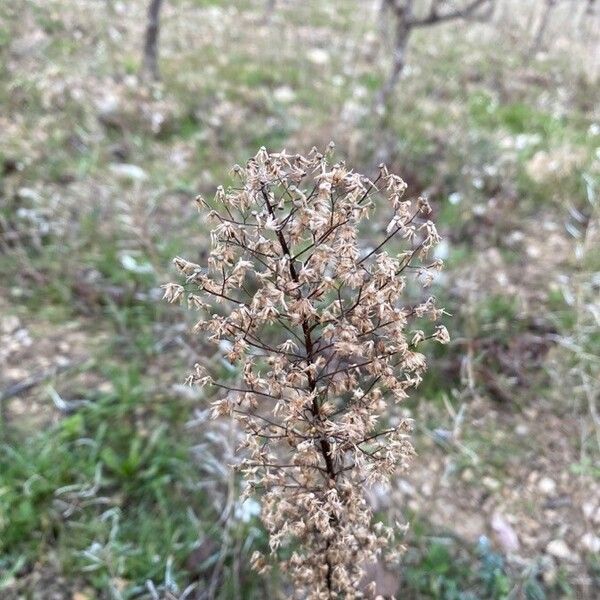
427	489
507	536
318	56
468	475
284	94
414	505
547	486
9	324
559	549
490	483
591	543
522	429
406	488
127	171
592	512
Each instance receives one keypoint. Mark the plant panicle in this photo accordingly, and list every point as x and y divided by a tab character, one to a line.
319	326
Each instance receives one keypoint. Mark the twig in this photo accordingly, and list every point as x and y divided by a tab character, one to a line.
25	385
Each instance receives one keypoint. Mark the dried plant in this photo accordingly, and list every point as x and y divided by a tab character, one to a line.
318	326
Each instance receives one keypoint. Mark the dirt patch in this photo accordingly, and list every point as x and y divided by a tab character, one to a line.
35	358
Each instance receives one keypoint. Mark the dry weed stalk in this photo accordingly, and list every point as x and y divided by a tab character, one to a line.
318	326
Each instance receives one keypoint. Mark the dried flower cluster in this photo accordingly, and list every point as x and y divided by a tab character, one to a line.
317	325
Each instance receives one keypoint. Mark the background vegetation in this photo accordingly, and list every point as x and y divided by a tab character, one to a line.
113	481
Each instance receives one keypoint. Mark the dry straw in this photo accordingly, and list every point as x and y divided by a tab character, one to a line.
319	326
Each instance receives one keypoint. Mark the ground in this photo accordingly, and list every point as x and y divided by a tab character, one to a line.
114	482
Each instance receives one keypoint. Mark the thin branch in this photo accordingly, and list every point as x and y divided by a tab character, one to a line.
434	17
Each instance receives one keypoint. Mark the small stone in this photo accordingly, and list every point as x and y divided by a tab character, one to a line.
507	536
591	543
317	56
414	505
106	387
592	512
127	171
427	489
521	429
9	324
284	94
547	486
62	361
588	509
406	488
559	549
107	105
549	575
467	475
491	484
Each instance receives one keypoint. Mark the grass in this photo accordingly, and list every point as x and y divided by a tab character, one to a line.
112	493
439	565
84	483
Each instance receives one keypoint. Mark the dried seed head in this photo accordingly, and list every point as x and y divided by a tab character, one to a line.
319	323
